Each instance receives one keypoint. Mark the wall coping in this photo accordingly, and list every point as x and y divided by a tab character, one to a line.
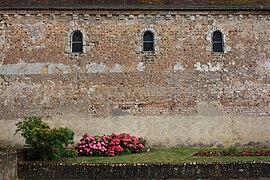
56	162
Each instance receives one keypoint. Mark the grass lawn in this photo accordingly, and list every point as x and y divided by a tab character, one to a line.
171	155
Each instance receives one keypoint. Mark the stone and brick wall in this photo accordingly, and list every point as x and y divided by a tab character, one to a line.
8	164
193	170
224	96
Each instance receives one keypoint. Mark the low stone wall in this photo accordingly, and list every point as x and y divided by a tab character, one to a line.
38	170
8	164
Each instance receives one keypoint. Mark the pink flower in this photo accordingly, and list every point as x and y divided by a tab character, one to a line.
112	143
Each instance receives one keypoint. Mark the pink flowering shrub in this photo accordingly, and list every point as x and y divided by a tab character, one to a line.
111	145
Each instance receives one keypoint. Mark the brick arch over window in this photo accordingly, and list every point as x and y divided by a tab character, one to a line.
77	41
220	34
85	39
148	41
217	41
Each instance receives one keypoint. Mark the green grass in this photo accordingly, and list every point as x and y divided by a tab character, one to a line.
171	155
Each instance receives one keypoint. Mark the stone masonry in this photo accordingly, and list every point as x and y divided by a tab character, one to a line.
207	98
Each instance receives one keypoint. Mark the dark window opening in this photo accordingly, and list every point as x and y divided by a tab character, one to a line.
217	41
77	41
148	41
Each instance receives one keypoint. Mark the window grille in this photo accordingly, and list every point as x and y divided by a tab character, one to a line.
77	42
148	41
217	41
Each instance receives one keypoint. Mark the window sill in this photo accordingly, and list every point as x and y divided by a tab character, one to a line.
218	53
75	55
76	52
149	53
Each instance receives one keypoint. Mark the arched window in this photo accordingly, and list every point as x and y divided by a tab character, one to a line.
217	41
148	41
77	41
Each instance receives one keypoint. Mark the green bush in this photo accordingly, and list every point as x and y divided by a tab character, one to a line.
72	153
45	143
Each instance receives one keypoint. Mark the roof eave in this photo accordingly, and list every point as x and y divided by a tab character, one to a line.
134	7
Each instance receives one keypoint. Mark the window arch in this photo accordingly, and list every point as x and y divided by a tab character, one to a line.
148	41
77	41
217	42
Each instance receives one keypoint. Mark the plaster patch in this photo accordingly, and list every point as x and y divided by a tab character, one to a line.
2	39
116	69
34	30
119	112
31	68
210	108
95	68
179	67
207	67
57	67
266	65
21	68
41	46
87	91
90	90
140	67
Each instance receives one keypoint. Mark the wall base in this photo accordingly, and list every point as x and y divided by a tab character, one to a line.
162	131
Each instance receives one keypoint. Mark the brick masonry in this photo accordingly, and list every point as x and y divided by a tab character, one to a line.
113	77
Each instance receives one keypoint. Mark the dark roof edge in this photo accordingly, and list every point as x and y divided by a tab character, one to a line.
134	7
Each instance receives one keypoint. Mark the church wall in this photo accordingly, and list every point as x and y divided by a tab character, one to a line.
223	97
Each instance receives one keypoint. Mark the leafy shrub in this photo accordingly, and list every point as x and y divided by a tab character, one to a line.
45	143
71	153
111	145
